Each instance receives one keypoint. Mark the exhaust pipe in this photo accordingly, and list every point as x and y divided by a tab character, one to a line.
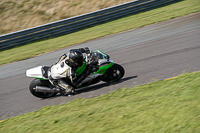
45	89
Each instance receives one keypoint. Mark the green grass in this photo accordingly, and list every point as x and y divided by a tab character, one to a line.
160	107
135	21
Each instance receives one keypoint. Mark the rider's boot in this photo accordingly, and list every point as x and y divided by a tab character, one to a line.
69	90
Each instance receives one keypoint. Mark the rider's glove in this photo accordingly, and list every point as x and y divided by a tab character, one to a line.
85	50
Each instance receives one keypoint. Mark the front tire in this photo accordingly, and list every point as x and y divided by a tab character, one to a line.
115	73
38	82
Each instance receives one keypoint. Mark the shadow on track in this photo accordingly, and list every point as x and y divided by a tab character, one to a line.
95	87
101	85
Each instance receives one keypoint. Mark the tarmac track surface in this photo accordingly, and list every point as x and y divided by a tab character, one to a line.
154	52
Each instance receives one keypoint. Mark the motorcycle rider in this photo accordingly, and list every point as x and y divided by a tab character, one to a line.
74	59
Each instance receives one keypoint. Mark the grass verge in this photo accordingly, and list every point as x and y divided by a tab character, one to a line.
135	21
21	14
162	106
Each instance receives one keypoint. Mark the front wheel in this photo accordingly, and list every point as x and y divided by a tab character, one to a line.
115	73
38	82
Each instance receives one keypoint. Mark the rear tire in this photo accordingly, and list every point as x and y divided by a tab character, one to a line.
38	82
115	73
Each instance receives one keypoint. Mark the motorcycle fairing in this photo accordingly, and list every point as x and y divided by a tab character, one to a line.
60	70
104	67
35	72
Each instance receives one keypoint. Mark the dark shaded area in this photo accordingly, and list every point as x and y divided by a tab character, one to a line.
96	87
101	85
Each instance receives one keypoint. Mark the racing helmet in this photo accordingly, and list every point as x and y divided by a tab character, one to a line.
75	57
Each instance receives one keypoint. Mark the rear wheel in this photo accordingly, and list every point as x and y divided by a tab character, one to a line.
115	73
38	82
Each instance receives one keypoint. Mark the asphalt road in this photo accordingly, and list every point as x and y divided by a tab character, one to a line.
151	53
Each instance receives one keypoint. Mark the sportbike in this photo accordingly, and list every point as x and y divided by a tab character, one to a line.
108	71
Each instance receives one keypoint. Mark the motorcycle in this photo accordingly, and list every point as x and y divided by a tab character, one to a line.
108	71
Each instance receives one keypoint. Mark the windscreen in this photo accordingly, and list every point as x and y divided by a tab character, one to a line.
97	55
